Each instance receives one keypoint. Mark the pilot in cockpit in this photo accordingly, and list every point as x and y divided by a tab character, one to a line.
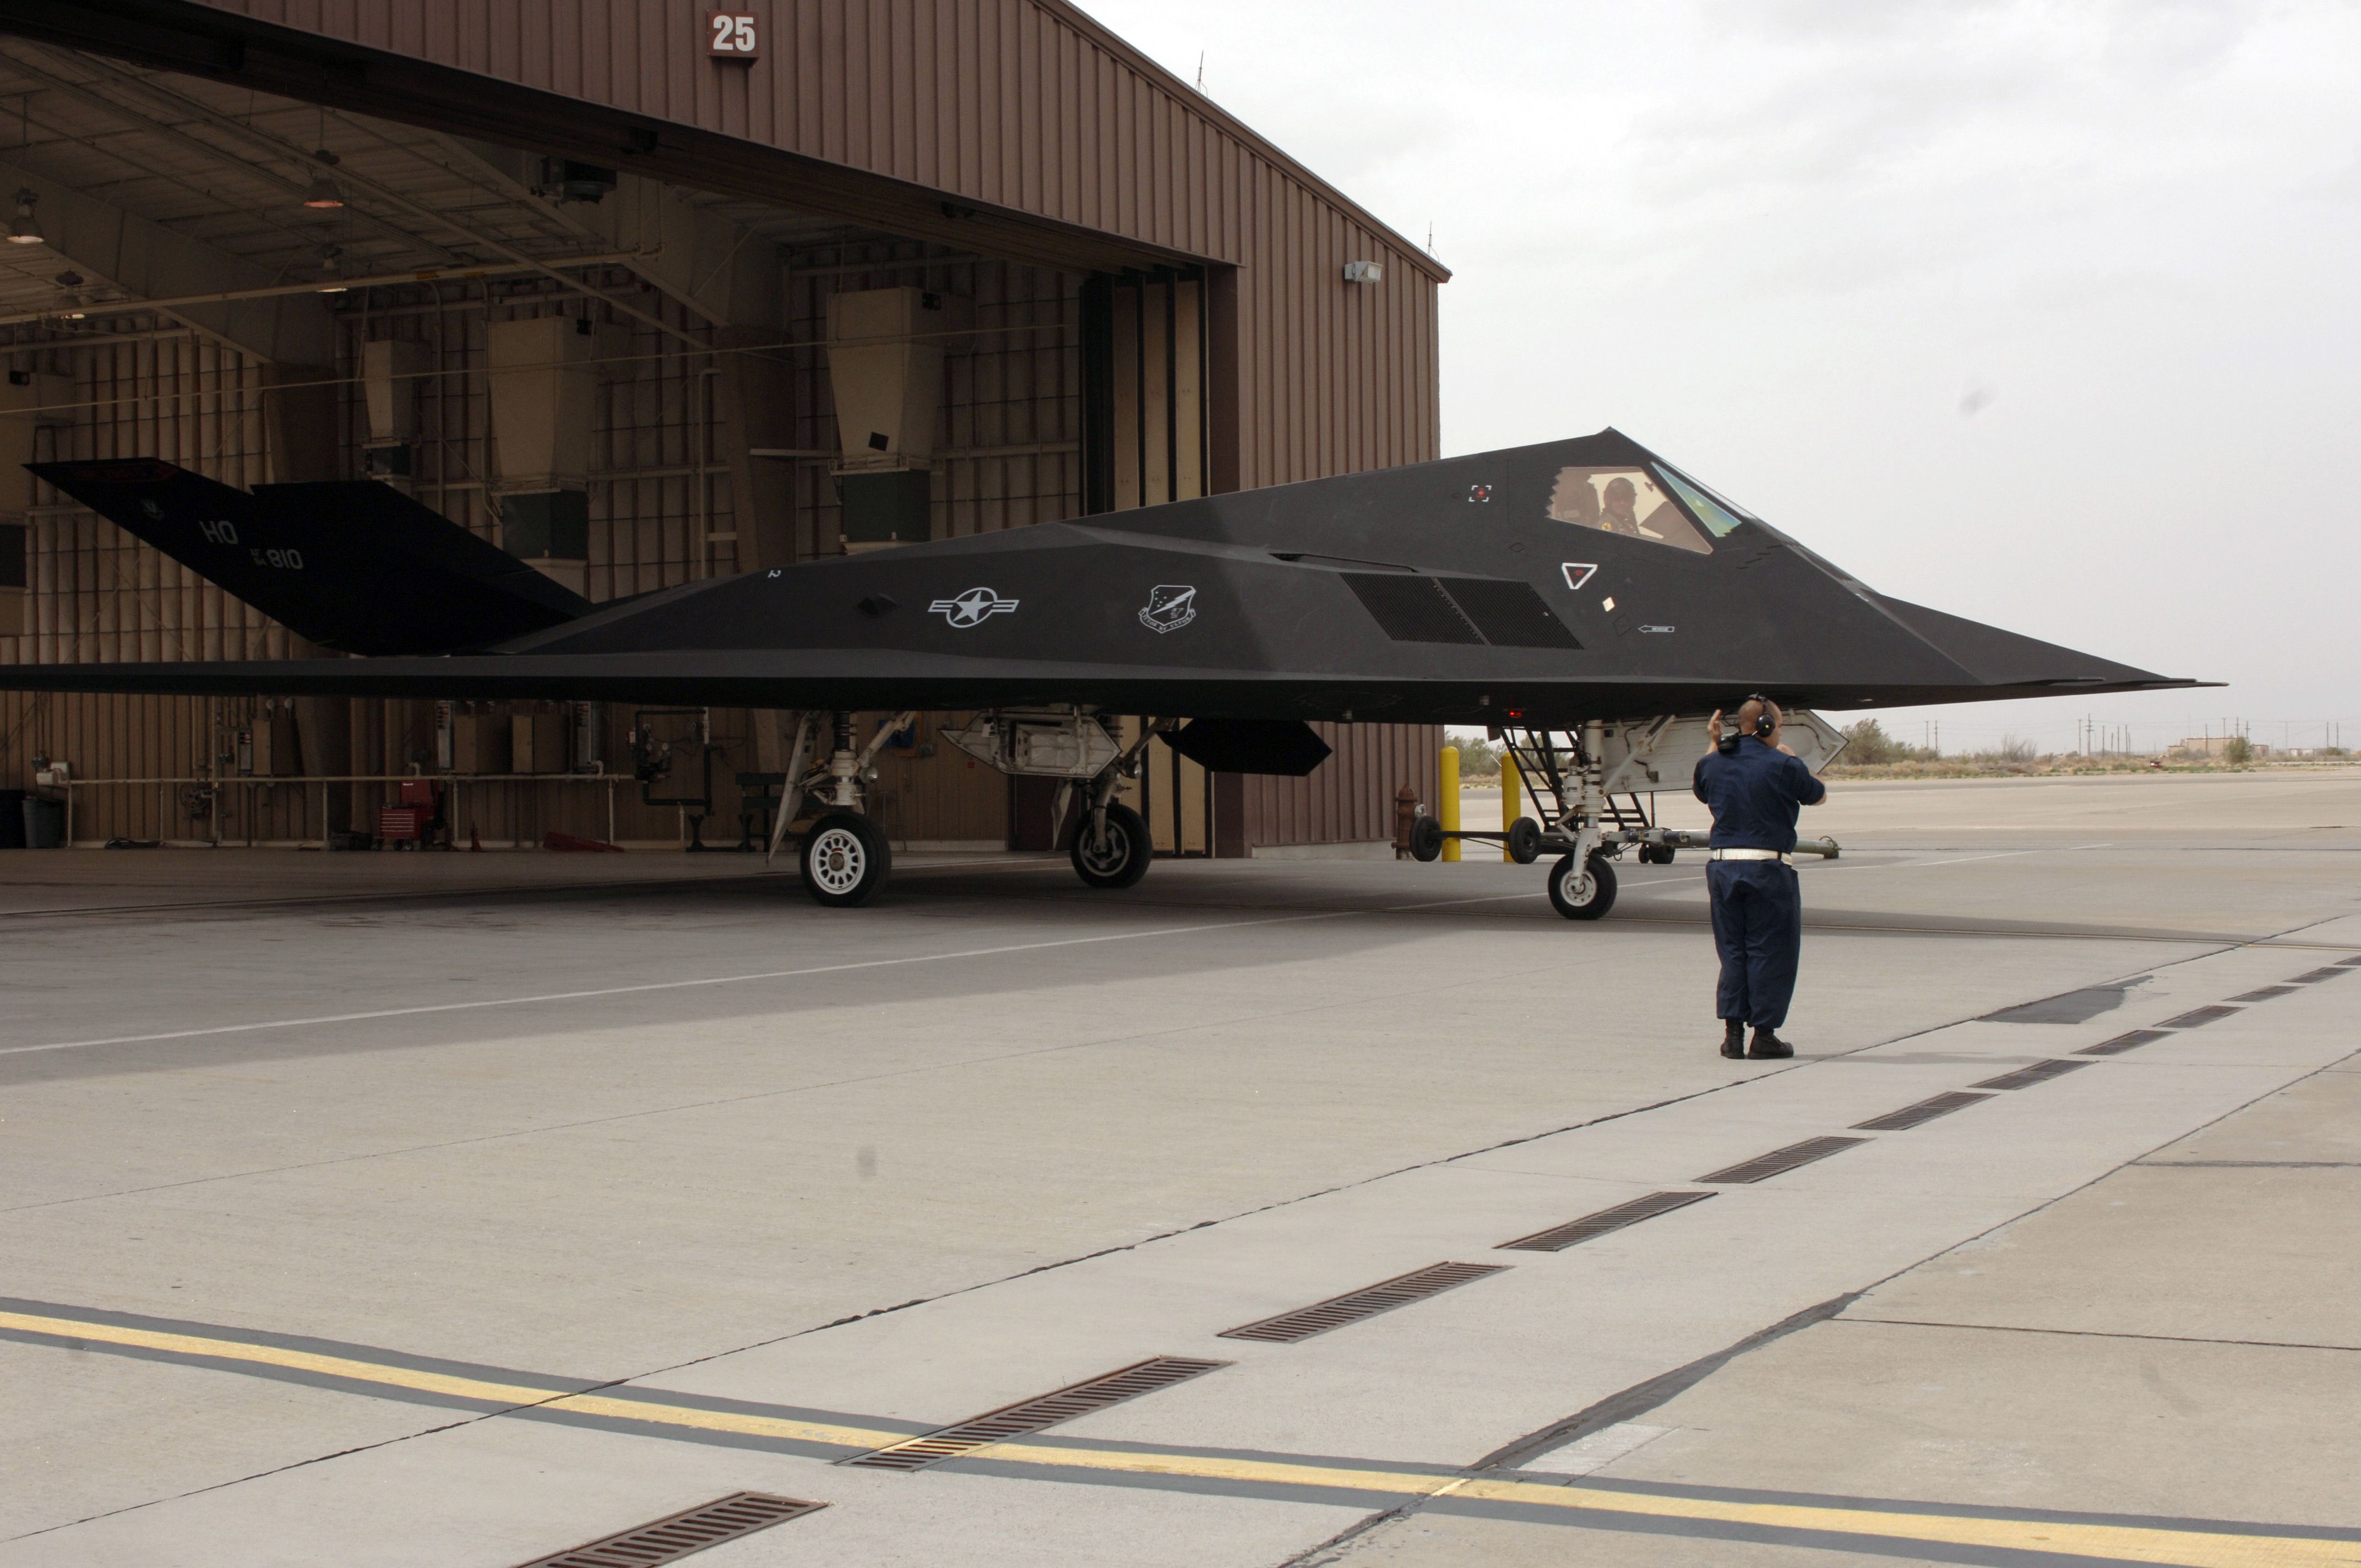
1621	514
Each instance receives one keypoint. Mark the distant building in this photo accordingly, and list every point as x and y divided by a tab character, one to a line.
2196	748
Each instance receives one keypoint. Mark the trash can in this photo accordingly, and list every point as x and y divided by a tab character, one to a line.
45	823
11	818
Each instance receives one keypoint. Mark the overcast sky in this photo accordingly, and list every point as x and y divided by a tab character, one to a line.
2039	313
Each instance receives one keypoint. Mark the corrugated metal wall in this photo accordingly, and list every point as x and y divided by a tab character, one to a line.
1351	798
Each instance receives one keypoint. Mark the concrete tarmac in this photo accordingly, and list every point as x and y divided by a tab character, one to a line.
458	1209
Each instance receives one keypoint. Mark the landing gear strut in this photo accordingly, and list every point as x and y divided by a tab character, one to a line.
845	858
1112	844
1574	776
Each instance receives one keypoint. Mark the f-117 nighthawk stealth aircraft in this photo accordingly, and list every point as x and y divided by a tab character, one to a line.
1583	598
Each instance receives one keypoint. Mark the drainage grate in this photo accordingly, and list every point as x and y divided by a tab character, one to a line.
1764	1166
1033	1415
1557	1238
667	1539
1351	1308
1909	1116
2313	977
2122	1043
2264	994
2200	1016
2027	1077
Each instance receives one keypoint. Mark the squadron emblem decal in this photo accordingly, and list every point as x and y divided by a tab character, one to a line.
1171	606
972	608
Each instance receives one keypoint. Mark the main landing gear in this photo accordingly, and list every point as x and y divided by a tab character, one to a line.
845	858
1112	847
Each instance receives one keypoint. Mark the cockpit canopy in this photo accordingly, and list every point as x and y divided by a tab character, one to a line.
1651	502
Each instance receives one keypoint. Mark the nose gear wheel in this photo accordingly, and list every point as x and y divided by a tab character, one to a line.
845	860
1580	897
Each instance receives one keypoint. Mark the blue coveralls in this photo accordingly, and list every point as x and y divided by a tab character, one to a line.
1758	911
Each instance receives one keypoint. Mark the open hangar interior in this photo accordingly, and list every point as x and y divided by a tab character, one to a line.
580	277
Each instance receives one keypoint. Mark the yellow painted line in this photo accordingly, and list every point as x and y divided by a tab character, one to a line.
729	1421
2125	1542
414	1378
2130	1543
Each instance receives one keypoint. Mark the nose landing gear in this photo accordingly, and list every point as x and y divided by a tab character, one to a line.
845	858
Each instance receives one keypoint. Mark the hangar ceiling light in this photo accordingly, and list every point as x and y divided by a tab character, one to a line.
26	229
322	192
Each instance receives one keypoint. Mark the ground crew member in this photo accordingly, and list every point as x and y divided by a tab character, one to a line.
1754	786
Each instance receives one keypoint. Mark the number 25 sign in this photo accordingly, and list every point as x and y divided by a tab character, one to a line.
729	35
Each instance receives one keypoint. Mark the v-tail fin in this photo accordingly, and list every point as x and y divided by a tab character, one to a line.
353	565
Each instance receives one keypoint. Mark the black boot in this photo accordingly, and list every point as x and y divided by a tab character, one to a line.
1733	1038
1769	1047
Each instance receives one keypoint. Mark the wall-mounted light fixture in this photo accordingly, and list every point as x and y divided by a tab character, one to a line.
1364	271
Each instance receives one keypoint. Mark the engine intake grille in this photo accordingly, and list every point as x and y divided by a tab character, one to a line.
1411	609
1509	613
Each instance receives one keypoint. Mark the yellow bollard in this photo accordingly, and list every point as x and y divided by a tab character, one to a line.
1446	805
1509	803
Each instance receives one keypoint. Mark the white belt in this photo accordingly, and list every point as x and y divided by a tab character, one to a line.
1746	855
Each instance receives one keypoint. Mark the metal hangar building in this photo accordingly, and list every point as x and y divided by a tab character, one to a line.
648	290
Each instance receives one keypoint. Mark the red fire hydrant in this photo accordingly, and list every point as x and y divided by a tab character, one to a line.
1405	815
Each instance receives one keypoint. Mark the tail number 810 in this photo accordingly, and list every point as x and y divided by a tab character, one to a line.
280	560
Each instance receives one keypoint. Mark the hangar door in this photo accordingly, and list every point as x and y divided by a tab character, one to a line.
1145	339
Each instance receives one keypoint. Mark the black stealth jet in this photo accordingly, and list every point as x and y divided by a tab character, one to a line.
1584	590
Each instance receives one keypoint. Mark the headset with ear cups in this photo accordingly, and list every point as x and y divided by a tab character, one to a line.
1766	725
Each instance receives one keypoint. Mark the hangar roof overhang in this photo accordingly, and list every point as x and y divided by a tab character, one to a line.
232	43
163	194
